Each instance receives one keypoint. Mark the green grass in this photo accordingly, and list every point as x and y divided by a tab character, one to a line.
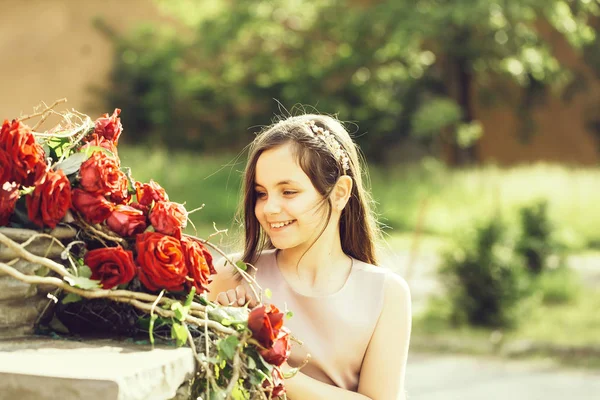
451	200
576	323
568	332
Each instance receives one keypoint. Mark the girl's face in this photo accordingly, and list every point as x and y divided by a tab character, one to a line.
288	207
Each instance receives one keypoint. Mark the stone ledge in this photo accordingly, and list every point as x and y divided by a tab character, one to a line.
44	369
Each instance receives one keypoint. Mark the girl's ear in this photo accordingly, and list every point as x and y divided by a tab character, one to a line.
341	192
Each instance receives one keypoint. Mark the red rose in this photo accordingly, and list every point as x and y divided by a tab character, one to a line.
120	193
281	349
50	200
100	174
199	263
95	140
94	207
168	218
126	220
39	171
112	266
142	208
5	168
277	384
9	194
18	141
148	192
265	323
161	264
109	127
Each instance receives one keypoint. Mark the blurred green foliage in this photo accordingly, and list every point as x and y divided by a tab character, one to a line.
213	73
490	272
485	282
535	243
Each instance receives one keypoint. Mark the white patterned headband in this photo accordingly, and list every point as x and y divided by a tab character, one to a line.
332	144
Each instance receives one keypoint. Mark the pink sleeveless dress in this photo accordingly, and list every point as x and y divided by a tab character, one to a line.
335	329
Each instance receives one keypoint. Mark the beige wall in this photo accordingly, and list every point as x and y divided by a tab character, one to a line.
562	134
50	50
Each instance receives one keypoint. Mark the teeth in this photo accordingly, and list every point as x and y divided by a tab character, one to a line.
281	224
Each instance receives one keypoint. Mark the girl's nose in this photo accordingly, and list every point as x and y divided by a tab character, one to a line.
272	206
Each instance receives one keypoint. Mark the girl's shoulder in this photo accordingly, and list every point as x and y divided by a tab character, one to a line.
369	268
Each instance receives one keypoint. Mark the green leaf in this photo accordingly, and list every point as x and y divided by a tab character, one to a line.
228	346
83	283
190	297
289	314
88	151
239	393
179	333
72	164
180	311
84	271
71	298
241	265
268	293
251	363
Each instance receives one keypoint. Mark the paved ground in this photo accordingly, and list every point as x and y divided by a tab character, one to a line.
451	377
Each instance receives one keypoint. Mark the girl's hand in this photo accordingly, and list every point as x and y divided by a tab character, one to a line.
236	297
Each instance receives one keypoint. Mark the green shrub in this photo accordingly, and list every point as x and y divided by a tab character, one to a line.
483	277
535	241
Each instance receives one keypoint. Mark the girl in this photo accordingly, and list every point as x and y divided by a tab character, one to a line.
310	233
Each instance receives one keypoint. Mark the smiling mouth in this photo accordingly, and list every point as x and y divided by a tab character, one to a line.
278	225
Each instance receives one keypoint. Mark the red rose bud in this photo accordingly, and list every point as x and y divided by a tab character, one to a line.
109	127
281	349
161	264
277	385
50	200
18	141
265	323
199	263
9	194
168	218
94	207
112	266
100	174
126	221
146	193
5	168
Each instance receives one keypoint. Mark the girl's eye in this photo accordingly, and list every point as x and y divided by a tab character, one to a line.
261	195
289	192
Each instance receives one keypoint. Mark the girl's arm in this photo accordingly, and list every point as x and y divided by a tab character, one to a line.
303	387
384	365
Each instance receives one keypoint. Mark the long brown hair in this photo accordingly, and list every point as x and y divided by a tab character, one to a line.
358	226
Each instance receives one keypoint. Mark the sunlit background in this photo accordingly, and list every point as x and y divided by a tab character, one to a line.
479	119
